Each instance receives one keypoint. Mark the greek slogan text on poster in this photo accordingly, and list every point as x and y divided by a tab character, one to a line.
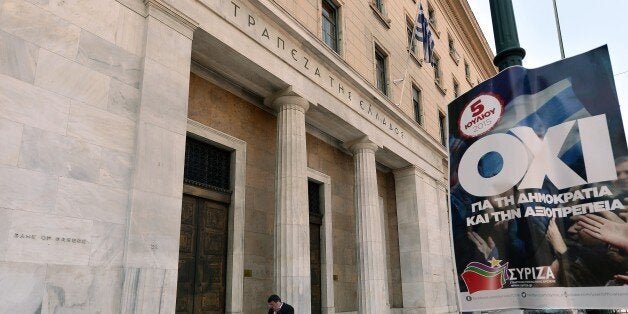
539	187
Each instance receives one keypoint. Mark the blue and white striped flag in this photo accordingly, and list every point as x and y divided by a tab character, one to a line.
422	33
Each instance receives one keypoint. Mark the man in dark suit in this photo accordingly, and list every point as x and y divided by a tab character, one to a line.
275	306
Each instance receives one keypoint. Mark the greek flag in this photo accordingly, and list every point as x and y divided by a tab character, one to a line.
422	33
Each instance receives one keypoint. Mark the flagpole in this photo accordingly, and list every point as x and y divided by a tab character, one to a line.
560	36
405	72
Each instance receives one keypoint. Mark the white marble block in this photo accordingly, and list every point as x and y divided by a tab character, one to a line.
10	140
24	103
101	128
109	59
39	26
70	79
18	58
21	287
27	190
91	201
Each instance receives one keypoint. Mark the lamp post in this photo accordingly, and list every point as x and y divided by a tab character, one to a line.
509	52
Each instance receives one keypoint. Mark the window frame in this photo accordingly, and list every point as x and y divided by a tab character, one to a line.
455	87
336	24
416	104
442	125
381	80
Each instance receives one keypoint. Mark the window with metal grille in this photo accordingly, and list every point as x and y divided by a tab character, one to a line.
330	21
380	70
314	198
456	88
206	165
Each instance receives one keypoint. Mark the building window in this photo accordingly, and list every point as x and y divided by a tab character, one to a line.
467	71
416	104
431	16
452	49
380	70
437	72
206	165
456	89
379	4
441	125
330	24
409	30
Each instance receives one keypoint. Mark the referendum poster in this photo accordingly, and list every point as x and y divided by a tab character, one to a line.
539	188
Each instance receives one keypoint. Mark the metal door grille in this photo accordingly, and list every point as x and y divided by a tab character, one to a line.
313	193
206	165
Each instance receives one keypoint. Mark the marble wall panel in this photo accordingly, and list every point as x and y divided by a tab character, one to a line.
99	17
85	200
153	239
21	287
75	289
38	26
107	244
21	102
10	139
148	290
159	161
18	58
101	128
27	190
59	155
124	100
131	29
115	169
41	238
5	223
168	47
165	97
63	76
109	59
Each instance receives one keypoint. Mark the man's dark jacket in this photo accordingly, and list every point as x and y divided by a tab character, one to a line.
285	309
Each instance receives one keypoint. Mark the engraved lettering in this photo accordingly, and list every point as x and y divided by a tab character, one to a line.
317	72
235	9
265	33
251	20
293	52
306	61
283	43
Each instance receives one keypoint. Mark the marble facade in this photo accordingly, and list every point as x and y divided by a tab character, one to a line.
96	101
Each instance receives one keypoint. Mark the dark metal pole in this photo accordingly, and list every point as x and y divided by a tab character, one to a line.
560	35
509	52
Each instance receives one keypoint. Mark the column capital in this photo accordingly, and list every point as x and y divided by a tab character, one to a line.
362	143
172	17
285	99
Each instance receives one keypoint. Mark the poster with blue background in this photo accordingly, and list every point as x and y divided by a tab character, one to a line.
538	187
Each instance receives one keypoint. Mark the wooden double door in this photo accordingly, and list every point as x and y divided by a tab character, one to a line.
202	256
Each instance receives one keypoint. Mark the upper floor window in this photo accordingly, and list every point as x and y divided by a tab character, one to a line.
452	49
330	24
467	71
456	89
380	70
437	72
416	103
431	16
441	125
379	4
409	30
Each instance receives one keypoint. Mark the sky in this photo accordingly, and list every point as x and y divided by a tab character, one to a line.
585	25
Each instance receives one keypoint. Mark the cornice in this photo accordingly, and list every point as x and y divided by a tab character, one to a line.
464	23
172	17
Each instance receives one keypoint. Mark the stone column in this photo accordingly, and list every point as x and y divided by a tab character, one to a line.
152	238
292	236
372	285
424	246
413	254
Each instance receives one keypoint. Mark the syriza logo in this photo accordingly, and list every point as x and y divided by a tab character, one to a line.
478	276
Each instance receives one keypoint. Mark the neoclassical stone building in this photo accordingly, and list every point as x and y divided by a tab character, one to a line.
196	156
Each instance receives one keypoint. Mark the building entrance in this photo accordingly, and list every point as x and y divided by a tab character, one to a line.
201	285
